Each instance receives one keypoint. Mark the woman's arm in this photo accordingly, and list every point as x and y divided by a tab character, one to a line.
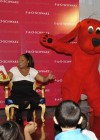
10	75
44	79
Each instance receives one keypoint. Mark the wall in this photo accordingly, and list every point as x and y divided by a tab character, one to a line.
21	23
89	8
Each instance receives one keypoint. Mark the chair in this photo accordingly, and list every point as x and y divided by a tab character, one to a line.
9	107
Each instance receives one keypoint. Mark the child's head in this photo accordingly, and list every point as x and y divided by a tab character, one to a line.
67	114
9	130
84	122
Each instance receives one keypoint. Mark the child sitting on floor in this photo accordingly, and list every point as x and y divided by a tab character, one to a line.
68	115
84	125
10	130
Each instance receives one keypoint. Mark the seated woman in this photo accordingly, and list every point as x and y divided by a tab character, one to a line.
22	93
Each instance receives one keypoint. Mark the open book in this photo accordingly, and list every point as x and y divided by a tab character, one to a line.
3	74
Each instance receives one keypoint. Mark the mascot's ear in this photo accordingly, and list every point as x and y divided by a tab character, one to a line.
71	36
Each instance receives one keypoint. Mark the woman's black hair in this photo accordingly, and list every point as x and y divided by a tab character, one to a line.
30	59
9	130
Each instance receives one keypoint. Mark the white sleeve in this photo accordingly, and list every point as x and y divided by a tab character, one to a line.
13	69
90	134
33	72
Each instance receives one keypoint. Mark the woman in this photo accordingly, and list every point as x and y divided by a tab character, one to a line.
22	93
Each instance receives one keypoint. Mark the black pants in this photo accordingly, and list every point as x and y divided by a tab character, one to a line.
24	102
33	106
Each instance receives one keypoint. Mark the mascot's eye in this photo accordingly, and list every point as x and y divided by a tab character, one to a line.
98	30
90	29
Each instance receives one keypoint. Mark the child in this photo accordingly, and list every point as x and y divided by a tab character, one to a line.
84	129
68	115
9	130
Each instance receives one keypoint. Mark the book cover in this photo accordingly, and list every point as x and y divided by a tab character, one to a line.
3	74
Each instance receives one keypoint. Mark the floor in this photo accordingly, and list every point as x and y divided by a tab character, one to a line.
47	130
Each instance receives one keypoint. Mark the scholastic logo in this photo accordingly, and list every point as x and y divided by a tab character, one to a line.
9	21
36	32
58	99
58	80
47	90
44	71
9	41
37	13
38	52
65	5
62	61
8	61
10	1
1	101
64	23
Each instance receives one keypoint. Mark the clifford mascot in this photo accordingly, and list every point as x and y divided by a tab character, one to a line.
82	76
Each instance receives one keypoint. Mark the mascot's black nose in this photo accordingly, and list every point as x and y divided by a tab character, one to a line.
50	40
96	42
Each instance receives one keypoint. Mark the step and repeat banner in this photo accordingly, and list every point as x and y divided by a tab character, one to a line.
21	23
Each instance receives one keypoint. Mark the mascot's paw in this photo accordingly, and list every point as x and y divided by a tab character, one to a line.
46	39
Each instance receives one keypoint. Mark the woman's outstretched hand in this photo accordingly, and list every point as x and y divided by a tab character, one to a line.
51	76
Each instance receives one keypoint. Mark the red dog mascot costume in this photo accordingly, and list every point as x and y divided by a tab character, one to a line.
82	75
